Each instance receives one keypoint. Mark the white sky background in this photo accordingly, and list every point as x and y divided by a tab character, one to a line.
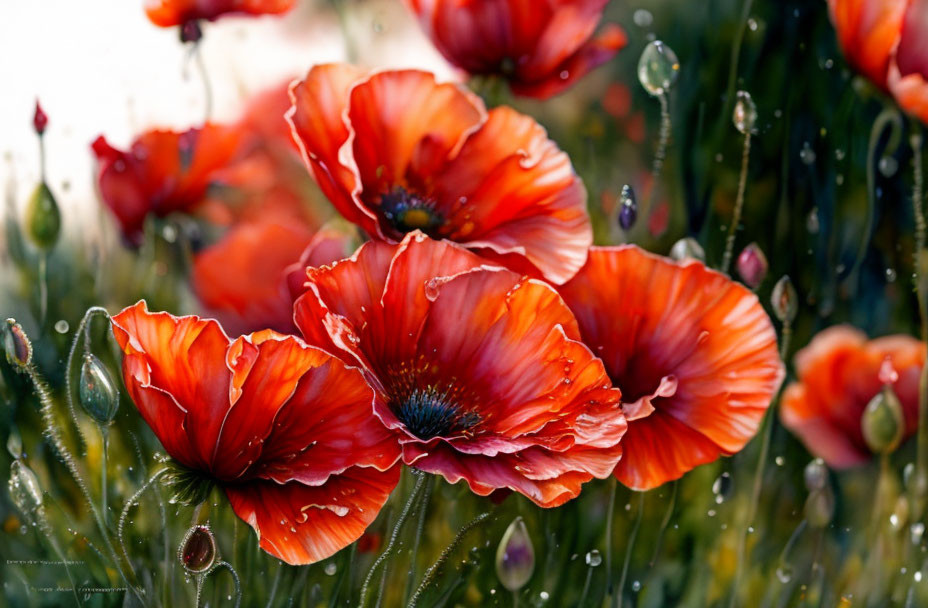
99	66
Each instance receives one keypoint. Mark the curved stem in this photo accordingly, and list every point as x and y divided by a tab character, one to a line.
103	501
43	286
617	598
739	204
235	579
661	154
586	586
420	528
417	489
120	526
658	543
445	554
793	538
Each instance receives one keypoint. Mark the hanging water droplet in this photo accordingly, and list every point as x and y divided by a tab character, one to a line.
636	586
98	394
917	530
745	114
61	326
721	487
658	68
888	166
331	568
643	18
515	556
812	224
25	490
593	558
890	275
628	208
807	154
14	444
815	475
687	248
839	154
785	573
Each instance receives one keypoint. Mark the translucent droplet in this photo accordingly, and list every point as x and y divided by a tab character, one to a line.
812	224
815	475
643	18
687	248
98	394
544	595
745	114
658	68
331	568
888	166
807	154
636	586
593	558
515	556
785	573
25	490
628	208
721	487
916	531
14	444
784	300
780	461
61	326
890	275
752	24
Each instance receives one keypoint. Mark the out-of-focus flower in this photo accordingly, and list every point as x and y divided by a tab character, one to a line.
395	152
162	172
541	48
693	352
886	41
285	429
168	13
478	370
839	373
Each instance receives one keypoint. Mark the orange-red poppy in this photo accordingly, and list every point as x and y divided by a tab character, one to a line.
168	13
396	151
693	352
162	172
885	41
285	429
479	370
541	47
839	372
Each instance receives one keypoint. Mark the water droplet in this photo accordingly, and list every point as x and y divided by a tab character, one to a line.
890	275
812	224
785	573
515	556
628	208
721	487
780	461
815	475
643	18
807	154
687	248
61	326
658	68
888	166
745	114
917	530
752	24
636	586
593	558
331	568
839	154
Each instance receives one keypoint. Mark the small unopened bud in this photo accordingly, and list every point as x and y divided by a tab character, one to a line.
686	249
752	266
820	507
785	300
815	475
17	346
39	119
25	489
98	394
628	208
190	31
882	423
43	218
198	551
515	557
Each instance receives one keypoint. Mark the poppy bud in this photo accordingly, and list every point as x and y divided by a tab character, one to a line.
17	346
687	248
515	557
190	31
25	489
43	219
815	475
785	300
820	507
752	265
98	394
658	68
882	422
745	114
39	119
198	551
628	208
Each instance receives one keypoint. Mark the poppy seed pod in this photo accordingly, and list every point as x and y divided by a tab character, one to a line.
43	219
98	394
25	490
515	557
882	422
198	551
17	346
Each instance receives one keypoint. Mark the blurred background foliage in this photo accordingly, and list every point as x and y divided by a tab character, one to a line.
846	244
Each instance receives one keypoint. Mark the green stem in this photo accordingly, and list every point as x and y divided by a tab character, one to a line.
235	580
104	505
417	489
43	286
586	586
420	528
921	479
617	598
445	554
666	521
610	514
739	204
661	154
46	529
121	523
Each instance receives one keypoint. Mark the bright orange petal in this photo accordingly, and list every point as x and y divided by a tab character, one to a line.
868	31
168	13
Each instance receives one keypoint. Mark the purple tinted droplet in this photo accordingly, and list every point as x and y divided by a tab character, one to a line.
628	208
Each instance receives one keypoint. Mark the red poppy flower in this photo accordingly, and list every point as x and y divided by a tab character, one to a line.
285	429
885	41
168	13
541	47
162	172
395	152
478	369
839	372
693	352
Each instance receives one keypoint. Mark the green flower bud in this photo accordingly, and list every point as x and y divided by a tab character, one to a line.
198	551
784	300
820	507
43	219
98	394
515	557
17	346
882	423
25	489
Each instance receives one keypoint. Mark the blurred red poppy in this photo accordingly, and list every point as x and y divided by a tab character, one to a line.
162	172
886	41
479	370
541	47
839	372
285	429
395	151
168	13
693	352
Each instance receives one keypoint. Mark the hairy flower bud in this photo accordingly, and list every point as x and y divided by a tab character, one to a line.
784	300
198	551
17	346
515	557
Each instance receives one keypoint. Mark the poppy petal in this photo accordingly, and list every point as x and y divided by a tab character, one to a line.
303	524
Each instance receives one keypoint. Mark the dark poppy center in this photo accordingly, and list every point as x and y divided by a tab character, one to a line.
406	211
429	413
